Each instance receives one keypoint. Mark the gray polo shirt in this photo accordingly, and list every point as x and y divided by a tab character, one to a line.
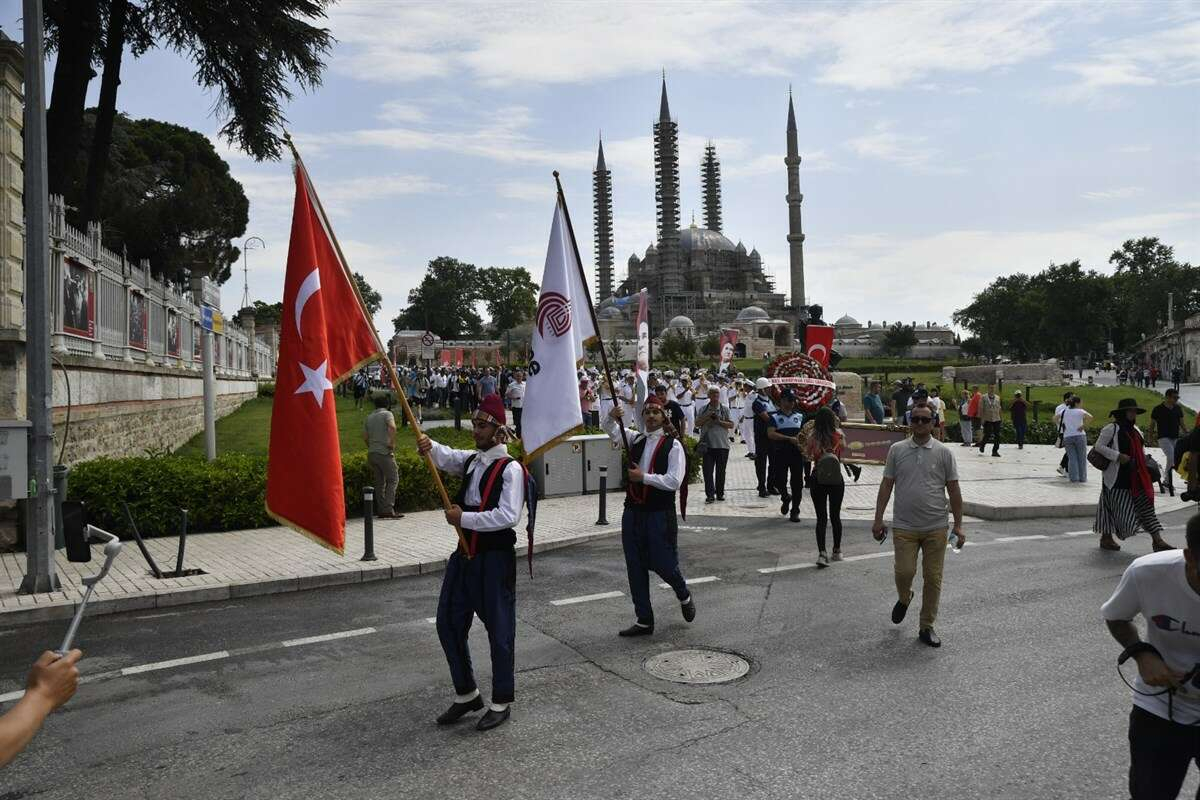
921	473
712	433
378	424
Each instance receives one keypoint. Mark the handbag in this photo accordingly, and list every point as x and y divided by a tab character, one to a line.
1095	457
1154	468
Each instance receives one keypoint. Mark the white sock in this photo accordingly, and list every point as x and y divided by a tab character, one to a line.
685	602
498	707
466	698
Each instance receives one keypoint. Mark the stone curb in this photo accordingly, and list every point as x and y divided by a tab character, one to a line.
367	572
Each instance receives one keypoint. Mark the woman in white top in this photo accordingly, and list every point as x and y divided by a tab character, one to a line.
1074	426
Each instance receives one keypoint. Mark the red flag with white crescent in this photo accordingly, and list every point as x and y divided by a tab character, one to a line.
818	341
324	337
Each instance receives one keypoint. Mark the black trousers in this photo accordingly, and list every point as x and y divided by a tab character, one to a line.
762	448
991	430
787	469
715	460
1160	753
517	420
830	495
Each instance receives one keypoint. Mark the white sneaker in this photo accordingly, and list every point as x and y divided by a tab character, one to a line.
837	555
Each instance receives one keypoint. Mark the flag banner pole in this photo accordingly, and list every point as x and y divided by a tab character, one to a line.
408	412
591	310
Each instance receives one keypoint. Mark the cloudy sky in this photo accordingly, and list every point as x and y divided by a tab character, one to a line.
944	144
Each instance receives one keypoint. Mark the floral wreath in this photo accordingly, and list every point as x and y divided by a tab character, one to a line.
808	380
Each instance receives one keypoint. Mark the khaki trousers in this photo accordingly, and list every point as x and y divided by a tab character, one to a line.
386	474
932	546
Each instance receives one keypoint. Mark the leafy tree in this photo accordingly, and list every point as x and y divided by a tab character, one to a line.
371	298
510	296
251	52
898	339
1146	272
444	301
710	346
1004	317
170	199
267	313
677	347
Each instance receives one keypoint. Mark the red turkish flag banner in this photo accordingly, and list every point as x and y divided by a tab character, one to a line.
818	341
324	337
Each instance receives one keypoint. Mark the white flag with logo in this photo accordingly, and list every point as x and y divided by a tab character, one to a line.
562	326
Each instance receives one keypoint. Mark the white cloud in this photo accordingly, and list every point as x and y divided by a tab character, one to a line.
398	111
527	190
1123	193
909	151
1169	56
1133	149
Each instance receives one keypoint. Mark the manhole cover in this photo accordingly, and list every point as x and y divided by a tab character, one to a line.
697	666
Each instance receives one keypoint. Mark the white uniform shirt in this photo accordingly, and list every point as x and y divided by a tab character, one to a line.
672	479
516	393
507	512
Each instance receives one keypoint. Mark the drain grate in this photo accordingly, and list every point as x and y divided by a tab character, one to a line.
697	666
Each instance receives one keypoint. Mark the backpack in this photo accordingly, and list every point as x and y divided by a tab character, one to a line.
828	470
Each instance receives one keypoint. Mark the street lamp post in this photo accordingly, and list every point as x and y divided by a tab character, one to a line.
246	247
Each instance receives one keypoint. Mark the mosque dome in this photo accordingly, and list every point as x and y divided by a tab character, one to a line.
752	314
681	322
741	248
847	320
609	312
633	259
693	238
651	250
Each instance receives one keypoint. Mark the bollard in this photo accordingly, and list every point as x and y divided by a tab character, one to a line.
458	412
182	543
603	519
368	524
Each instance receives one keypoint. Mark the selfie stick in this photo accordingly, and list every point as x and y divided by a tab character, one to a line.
112	549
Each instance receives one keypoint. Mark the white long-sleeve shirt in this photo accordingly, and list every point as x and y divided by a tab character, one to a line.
672	479
507	512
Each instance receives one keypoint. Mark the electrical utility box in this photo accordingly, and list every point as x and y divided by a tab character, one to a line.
601	451
559	470
14	459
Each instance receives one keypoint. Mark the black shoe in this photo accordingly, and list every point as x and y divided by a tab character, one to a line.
721	498
785	501
492	719
899	610
1171	489
927	636
1161	488
688	609
995	455
456	712
795	515
710	500
763	493
1188	496
772	491
637	630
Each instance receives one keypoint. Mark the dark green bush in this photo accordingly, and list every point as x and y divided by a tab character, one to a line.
266	390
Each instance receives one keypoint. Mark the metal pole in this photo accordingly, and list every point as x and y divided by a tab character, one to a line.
369	524
39	521
603	519
182	544
210	393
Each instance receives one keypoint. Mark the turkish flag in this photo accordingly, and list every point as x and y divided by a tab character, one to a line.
818	341
324	337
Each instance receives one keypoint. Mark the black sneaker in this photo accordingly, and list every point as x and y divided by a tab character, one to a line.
899	610
795	515
637	630
721	498
785	501
927	636
688	609
710	500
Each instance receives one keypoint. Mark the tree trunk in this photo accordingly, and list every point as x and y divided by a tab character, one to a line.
79	30
106	112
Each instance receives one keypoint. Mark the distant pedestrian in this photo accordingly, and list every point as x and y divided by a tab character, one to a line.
360	387
586	398
827	488
900	399
762	407
964	419
973	411
990	415
1058	410
1167	419
379	432
1127	497
1074	426
787	454
923	472
1176	377
873	411
715	424
1020	420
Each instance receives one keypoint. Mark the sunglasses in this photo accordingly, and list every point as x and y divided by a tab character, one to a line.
921	419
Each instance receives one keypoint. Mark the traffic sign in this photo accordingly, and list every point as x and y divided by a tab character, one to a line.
211	319
427	339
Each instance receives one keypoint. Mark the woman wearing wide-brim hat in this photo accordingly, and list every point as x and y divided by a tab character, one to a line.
1127	495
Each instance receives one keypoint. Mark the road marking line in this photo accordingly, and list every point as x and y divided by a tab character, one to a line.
692	581
4	698
701	528
787	568
431	620
1078	533
884	554
327	637
1020	538
566	601
175	662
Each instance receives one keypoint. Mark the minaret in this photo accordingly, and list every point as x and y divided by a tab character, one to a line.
794	198
602	197
710	179
666	195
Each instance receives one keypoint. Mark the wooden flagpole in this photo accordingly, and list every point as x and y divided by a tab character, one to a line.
412	419
592	311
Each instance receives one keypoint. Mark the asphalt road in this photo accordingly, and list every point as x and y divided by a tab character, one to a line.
1022	701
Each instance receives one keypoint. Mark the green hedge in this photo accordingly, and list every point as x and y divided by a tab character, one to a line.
228	493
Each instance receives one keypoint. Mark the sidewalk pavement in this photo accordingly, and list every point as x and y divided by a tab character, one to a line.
1021	484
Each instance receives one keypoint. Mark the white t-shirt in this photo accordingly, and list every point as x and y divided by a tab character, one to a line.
1156	587
1073	419
1058	409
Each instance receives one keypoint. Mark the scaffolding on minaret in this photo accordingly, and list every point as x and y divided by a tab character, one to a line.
602	198
710	180
666	177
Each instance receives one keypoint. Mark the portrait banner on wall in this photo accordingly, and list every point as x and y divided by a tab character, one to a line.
79	300
195	340
172	332
139	320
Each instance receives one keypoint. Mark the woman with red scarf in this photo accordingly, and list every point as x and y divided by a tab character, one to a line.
1127	496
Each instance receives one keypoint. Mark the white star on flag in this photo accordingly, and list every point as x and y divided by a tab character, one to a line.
315	382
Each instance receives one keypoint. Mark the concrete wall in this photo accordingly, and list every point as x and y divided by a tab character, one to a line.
12	232
1042	374
850	390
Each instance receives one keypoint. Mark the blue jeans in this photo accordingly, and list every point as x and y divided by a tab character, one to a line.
1077	464
650	541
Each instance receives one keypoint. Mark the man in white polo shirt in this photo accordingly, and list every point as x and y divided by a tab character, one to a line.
1164	588
923	472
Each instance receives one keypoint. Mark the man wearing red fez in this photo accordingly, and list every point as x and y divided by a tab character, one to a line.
649	531
483	580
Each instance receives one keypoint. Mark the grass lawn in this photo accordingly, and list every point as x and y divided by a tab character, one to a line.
248	430
1097	401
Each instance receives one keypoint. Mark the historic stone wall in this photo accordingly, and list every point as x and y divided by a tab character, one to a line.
1041	374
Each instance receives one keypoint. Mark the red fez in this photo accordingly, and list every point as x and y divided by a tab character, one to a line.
491	409
652	400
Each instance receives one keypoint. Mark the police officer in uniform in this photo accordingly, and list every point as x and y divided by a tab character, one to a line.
761	407
488	508
787	454
649	531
